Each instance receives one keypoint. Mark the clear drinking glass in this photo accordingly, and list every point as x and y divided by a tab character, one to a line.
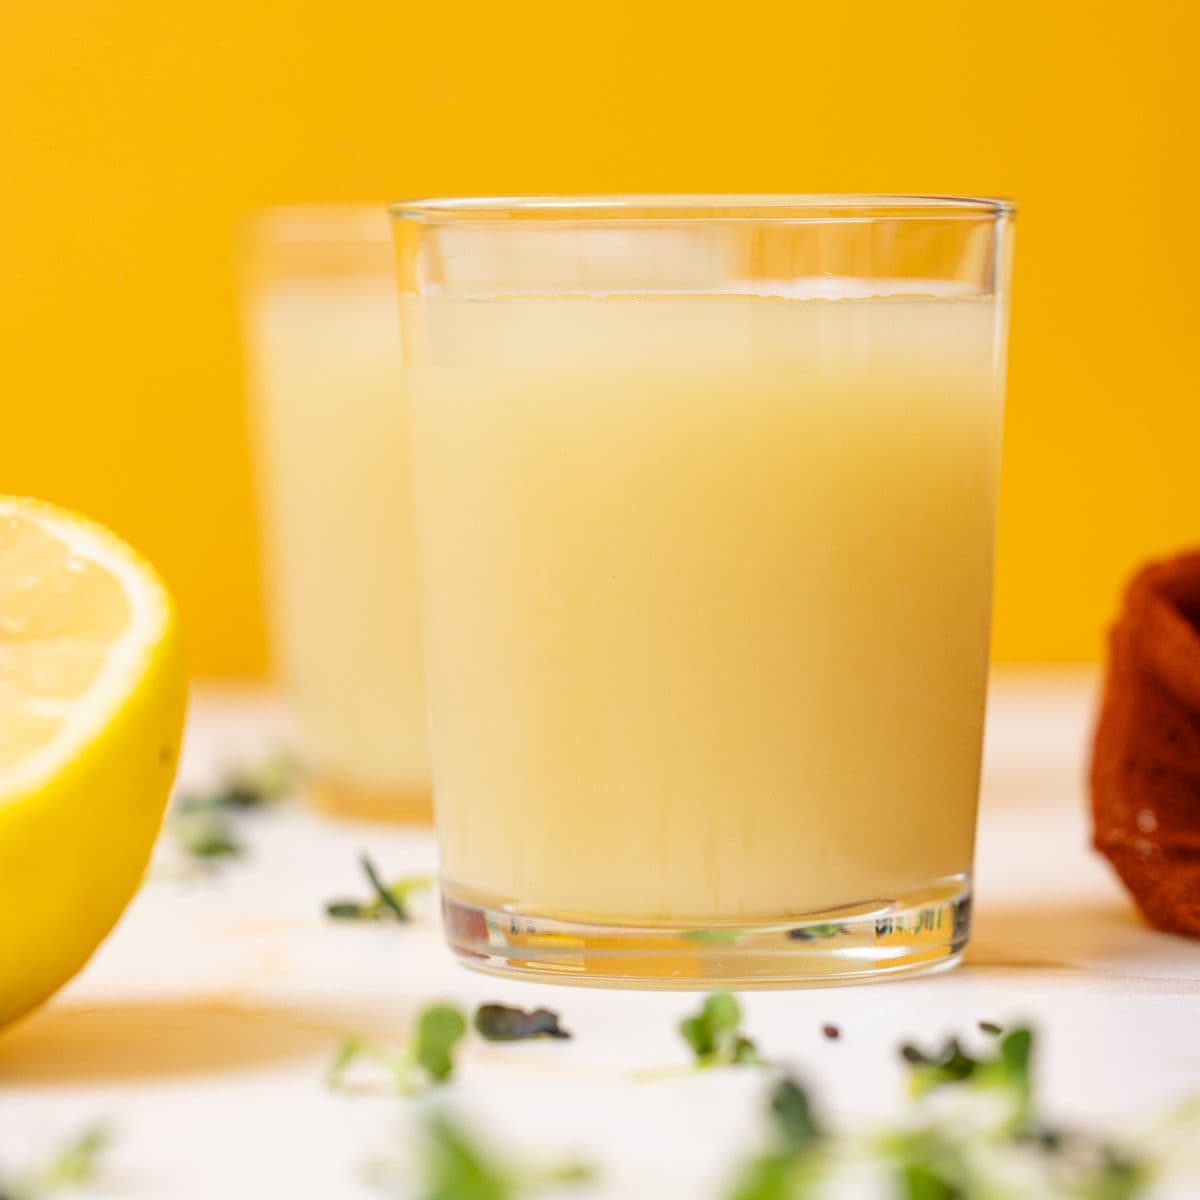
323	346
705	494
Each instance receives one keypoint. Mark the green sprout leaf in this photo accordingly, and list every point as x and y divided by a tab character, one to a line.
74	1164
384	900
500	1023
205	836
771	1176
245	788
791	1168
955	1148
926	1165
348	1052
1016	1052
794	1121
452	1164
920	1181
454	1167
950	1064
439	1029
715	1036
1116	1177
427	1058
1007	1067
78	1161
203	823
389	902
1085	1168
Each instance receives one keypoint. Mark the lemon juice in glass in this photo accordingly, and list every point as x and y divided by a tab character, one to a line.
705	494
323	346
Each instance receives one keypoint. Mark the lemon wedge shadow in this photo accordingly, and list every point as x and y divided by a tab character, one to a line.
143	1040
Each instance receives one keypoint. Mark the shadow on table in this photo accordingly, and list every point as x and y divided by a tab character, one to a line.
1104	934
143	1039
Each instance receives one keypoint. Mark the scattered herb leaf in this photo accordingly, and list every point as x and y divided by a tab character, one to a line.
790	1168
452	1165
1116	1177
439	1029
77	1161
202	823
244	788
384	899
794	1121
428	1057
774	1176
72	1165
348	1052
205	835
926	1165
991	1027
955	1148
715	1036
389	902
500	1023
947	1065
1007	1068
932	1180
920	1181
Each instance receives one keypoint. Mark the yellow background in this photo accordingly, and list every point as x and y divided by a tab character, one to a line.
133	133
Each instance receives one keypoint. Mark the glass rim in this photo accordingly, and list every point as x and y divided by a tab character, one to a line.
317	224
700	206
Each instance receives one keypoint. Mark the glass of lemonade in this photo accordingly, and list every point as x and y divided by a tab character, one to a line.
323	348
705	492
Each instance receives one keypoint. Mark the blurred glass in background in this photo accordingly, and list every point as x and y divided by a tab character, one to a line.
323	350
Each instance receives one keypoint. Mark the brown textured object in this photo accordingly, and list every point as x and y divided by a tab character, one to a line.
1146	759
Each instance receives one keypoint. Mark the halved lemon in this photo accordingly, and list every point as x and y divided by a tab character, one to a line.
92	694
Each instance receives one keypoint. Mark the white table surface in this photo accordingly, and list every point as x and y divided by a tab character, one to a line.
201	1030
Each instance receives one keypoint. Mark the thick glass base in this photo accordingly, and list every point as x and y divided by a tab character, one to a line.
917	933
340	798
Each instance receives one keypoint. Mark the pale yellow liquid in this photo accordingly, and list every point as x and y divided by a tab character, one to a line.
333	447
706	588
